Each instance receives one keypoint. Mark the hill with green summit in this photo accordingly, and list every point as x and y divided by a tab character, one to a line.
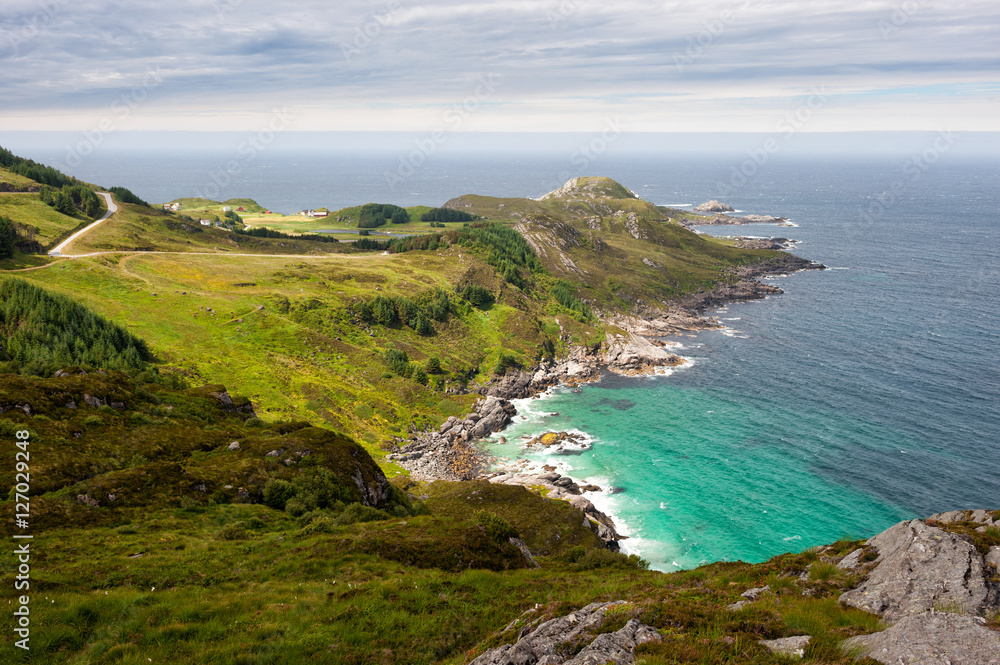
176	522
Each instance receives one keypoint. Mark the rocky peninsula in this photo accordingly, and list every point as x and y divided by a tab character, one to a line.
451	453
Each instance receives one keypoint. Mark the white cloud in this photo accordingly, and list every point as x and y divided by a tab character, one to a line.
564	64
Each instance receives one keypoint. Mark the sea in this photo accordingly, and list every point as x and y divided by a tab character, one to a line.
865	394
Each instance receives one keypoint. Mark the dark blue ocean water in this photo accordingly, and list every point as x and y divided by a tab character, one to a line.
864	394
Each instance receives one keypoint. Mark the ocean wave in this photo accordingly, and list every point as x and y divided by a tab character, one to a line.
675	205
730	332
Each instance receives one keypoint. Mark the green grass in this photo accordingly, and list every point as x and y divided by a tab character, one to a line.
200	314
17	182
176	564
28	209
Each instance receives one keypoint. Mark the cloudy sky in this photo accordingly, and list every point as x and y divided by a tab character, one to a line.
505	65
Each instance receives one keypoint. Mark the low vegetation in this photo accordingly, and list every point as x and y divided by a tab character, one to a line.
43	332
182	524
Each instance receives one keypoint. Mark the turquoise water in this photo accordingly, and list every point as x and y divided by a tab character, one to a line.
863	395
700	482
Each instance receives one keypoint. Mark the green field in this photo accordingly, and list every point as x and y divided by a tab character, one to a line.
176	526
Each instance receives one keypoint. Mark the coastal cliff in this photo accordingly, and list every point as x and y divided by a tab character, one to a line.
933	583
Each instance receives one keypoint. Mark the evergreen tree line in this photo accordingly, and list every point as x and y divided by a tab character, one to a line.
447	215
399	363
374	215
125	195
261	232
42	332
562	291
73	199
32	170
417	314
14	235
502	247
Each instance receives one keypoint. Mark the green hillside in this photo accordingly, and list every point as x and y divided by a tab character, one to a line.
179	523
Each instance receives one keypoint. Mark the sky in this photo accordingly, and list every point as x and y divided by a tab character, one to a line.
500	66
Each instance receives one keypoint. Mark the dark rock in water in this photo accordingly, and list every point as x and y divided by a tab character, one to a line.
618	404
616	490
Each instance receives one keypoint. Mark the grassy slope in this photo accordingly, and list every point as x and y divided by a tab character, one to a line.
281	330
171	571
16	181
28	209
585	235
346	218
137	228
360	593
305	358
208	207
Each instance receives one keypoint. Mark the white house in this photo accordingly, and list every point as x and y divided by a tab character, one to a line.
227	208
206	222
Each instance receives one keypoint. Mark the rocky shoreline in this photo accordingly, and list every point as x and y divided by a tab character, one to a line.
450	452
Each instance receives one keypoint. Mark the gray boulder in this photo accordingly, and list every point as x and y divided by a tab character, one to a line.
932	638
617	647
541	645
921	568
794	647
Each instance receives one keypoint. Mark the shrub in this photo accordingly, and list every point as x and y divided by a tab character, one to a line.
419	375
495	526
504	362
384	311
422	325
356	512
478	296
433	365
398	361
231	532
602	558
277	492
294	507
562	291
255	523
323	524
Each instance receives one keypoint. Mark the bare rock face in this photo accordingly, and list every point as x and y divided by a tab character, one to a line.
633	353
932	586
937	638
921	568
713	206
542	644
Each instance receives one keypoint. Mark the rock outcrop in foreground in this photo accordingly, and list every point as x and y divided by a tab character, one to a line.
935	588
545	643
